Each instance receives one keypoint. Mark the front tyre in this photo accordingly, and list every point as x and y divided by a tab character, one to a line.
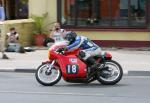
48	78
112	74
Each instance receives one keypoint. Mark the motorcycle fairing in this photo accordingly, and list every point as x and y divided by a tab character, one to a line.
72	67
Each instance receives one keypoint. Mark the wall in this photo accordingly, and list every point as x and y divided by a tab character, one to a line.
24	27
119	39
98	35
39	7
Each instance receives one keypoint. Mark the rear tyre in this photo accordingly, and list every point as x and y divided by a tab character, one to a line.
112	75
48	78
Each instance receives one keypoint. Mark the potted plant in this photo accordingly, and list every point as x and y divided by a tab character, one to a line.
40	32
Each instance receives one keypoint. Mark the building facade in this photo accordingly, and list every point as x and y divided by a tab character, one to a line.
123	23
104	13
108	22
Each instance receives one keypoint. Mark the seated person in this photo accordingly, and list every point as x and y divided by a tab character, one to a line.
12	41
12	36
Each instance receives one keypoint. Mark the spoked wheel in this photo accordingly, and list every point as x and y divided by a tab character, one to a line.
111	74
48	78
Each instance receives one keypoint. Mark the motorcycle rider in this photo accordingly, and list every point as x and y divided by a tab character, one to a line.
88	48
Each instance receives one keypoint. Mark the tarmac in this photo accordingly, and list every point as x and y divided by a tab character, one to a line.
134	61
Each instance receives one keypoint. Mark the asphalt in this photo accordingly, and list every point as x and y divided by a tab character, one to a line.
134	61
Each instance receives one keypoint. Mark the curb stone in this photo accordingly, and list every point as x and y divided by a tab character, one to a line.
25	70
17	70
138	73
7	69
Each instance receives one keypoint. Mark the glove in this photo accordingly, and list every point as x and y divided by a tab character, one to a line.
61	49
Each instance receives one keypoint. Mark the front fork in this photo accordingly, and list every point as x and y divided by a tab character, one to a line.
50	66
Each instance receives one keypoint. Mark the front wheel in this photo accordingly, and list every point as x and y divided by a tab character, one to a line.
48	78
112	73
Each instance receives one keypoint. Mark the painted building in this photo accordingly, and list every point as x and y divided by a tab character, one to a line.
108	22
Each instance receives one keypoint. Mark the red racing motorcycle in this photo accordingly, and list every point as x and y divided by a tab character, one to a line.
74	70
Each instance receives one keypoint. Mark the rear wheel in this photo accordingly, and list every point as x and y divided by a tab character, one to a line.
112	73
48	78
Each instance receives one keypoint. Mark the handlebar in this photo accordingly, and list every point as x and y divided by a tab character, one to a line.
60	50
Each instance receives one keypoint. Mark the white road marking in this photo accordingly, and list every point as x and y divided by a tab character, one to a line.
7	69
50	93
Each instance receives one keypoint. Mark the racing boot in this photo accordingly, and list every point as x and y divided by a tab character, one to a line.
94	63
95	66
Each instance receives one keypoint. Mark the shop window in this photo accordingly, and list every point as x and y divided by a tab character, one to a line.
138	12
22	9
85	12
119	13
15	9
102	13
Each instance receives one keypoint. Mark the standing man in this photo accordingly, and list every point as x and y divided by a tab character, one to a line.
2	13
2	18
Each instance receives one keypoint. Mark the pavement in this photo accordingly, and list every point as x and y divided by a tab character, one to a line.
134	61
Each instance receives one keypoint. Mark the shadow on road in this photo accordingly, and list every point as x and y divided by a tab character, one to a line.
91	85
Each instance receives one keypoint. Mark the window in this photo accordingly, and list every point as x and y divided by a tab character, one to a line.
15	9
103	13
138	12
119	13
21	9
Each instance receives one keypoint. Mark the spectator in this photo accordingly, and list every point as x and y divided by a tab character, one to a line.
57	33
2	13
13	42
12	36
